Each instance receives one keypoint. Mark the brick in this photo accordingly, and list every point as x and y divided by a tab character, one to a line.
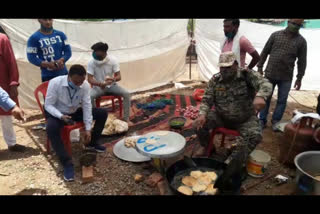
154	179
87	174
162	187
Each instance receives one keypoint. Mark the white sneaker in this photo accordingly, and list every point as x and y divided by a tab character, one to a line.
275	127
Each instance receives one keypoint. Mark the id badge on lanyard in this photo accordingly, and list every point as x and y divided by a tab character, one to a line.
72	108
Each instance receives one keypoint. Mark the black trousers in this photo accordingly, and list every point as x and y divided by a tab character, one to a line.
54	126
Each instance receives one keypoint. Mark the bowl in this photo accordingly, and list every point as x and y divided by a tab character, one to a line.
307	173
177	122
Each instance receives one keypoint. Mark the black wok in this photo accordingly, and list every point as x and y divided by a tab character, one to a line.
182	167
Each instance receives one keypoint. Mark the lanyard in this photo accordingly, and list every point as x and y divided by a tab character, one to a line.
71	97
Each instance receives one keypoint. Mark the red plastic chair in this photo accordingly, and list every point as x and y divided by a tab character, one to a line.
198	94
222	131
112	98
65	133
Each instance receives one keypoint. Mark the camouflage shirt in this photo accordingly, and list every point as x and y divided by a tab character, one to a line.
233	101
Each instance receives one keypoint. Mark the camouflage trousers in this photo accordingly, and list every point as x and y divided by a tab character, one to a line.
250	135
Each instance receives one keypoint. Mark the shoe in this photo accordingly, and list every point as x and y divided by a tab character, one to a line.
17	148
41	126
275	127
68	173
98	148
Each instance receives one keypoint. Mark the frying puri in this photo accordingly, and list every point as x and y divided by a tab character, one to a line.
189	181
185	190
196	174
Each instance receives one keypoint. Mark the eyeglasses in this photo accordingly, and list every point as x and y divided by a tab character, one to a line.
295	24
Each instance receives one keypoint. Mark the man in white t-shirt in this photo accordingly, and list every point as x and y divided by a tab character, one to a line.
103	73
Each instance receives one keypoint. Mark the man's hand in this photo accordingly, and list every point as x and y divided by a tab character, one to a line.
13	91
297	85
17	113
260	71
87	137
49	65
66	118
103	85
198	123
259	103
109	80
60	63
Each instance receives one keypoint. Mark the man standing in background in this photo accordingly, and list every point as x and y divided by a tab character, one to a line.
283	48
238	43
48	49
9	81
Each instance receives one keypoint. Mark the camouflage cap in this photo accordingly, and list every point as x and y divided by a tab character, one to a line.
227	59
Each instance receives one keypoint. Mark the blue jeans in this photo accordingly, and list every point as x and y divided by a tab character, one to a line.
284	87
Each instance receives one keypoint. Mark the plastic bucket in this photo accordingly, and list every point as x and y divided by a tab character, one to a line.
257	163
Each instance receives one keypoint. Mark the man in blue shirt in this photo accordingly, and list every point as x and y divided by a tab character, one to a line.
48	49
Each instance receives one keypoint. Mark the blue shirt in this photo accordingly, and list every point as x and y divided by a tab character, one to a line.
41	47
5	102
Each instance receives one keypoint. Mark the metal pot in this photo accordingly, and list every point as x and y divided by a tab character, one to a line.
308	167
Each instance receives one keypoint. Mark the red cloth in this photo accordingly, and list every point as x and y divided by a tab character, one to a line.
9	74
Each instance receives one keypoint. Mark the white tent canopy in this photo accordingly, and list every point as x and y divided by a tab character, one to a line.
151	52
209	33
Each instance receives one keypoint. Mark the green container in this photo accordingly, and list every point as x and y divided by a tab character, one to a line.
177	122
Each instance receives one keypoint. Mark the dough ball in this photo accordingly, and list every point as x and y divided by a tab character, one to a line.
151	141
162	133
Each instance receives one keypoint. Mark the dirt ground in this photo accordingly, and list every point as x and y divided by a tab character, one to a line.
37	173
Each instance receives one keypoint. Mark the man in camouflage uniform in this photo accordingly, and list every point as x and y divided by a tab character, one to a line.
236	95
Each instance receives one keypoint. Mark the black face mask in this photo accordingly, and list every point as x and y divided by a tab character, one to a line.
228	75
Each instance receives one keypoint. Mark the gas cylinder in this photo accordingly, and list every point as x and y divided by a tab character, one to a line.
303	133
316	135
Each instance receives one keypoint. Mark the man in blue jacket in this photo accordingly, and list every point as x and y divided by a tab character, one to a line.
48	49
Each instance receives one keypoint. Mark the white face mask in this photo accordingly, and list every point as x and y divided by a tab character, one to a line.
105	60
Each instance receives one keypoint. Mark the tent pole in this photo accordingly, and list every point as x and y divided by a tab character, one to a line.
191	49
